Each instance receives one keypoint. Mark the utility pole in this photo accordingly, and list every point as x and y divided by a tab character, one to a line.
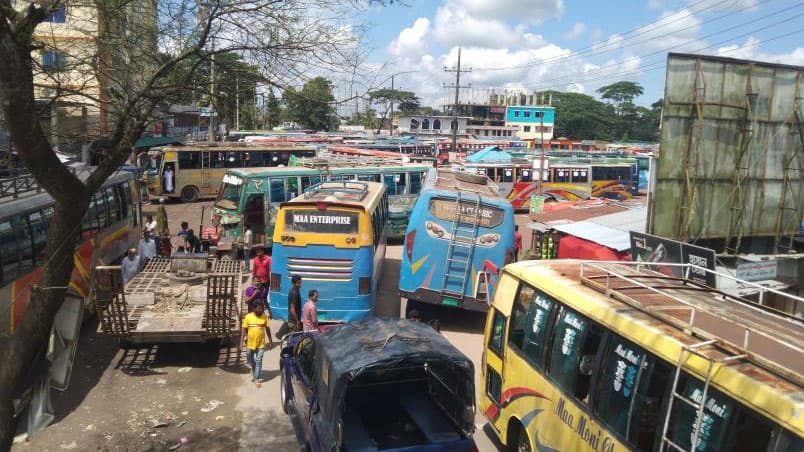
210	132
541	159
237	101
392	105
457	70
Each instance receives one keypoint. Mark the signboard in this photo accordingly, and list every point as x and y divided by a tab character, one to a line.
321	221
756	271
536	204
497	109
231	179
659	250
485	216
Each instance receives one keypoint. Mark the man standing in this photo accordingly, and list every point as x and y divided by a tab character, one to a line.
147	248
247	248
168	176
294	303
150	225
261	267
130	265
255	330
517	242
311	312
256	293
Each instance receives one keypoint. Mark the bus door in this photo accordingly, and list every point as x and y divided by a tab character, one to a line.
206	162
170	159
254	216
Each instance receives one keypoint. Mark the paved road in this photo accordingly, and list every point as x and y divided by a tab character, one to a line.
118	397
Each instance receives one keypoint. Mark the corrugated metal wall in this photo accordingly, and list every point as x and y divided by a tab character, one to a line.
731	152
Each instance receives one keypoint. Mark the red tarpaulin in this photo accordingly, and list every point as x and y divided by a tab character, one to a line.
574	248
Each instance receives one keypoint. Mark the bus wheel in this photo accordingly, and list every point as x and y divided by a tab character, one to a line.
189	194
518	438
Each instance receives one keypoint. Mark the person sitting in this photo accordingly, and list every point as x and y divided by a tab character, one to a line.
193	242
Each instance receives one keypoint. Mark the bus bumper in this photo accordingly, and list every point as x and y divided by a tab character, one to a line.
436	298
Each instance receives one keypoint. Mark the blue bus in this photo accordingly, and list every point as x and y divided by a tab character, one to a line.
333	236
460	235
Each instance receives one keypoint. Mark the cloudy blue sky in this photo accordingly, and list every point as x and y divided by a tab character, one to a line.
570	45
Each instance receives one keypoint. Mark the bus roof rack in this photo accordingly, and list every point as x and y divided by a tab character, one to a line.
770	338
325	161
352	189
13	187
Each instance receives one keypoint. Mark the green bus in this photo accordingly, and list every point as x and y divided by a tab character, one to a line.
251	196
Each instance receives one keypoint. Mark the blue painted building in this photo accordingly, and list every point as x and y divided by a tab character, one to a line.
533	122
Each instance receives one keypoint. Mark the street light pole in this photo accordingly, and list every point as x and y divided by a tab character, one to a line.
392	105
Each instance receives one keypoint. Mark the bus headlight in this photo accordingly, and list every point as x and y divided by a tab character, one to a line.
488	239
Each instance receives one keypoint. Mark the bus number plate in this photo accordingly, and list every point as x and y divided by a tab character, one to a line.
449	301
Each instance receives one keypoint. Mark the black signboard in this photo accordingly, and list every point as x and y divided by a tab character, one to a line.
321	221
659	250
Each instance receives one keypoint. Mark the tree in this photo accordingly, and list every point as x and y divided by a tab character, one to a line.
582	117
621	92
313	105
115	69
250	118
386	97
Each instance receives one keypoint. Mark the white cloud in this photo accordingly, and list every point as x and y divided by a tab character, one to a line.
412	41
455	25
677	29
710	6
576	31
526	10
655	4
750	50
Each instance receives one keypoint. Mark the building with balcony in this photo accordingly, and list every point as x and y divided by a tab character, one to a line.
430	125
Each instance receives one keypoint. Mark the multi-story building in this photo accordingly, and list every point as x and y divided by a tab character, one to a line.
531	122
430	125
85	54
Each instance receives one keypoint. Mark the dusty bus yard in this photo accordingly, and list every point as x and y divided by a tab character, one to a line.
199	396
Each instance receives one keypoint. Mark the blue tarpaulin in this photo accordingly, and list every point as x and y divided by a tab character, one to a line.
489	154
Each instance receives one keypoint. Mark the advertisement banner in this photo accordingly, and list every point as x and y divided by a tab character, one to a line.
536	204
658	250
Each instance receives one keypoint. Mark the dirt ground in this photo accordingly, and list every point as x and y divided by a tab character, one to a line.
198	396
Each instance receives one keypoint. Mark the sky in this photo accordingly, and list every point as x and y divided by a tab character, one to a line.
578	46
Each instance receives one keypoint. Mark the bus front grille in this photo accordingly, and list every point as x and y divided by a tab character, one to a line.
321	269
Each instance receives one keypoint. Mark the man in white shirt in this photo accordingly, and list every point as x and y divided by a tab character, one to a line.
168	176
130	265
147	248
150	225
247	240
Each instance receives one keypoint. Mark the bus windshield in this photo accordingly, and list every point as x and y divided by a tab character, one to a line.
321	221
149	162
228	196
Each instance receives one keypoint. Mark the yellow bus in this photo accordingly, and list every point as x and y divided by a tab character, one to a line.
195	171
333	236
610	357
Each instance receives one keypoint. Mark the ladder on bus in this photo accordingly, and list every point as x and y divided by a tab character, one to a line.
460	248
699	406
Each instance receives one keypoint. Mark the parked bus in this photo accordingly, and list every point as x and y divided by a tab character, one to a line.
461	232
610	357
110	227
245	193
333	236
562	180
197	170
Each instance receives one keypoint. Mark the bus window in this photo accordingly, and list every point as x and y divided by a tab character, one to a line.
189	160
8	252
789	442
749	432
493	385
279	158
26	244
293	187
508	175
575	344
278	190
718	412
126	198
415	183
496	336
369	177
401	182
530	320
526	175
308	181
39	231
580	175
390	183
111	203
562	175
103	211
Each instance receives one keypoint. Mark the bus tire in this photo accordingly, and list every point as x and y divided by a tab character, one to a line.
471	178
189	194
517	437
